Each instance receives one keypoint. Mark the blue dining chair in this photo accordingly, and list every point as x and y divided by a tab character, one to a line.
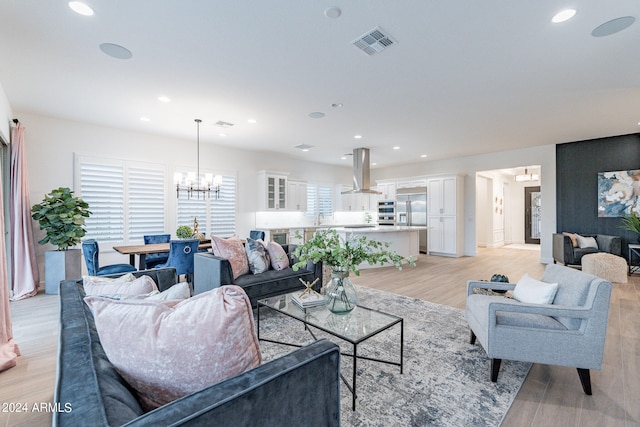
181	256
91	252
152	260
256	234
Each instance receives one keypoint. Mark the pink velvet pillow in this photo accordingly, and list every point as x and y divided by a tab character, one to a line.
233	250
279	258
141	285
166	351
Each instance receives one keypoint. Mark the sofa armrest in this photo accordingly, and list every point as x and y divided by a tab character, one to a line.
563	249
300	388
611	244
210	272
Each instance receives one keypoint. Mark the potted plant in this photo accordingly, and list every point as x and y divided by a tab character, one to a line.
344	256
184	232
631	223
62	216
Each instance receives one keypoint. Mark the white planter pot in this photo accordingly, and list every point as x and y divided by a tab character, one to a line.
61	265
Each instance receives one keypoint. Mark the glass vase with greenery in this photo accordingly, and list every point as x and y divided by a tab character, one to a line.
344	255
62	216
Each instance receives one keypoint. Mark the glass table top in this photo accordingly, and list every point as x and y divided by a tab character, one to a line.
356	326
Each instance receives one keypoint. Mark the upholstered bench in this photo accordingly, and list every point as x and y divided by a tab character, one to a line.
606	266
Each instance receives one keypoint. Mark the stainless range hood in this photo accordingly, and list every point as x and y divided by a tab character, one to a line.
361	173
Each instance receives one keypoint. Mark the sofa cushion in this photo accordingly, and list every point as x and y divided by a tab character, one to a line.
125	285
532	291
273	282
586	242
233	250
257	256
279	258
166	351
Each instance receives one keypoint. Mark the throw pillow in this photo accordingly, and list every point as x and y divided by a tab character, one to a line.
141	285
586	242
178	291
257	256
573	237
165	352
279	259
233	250
532	291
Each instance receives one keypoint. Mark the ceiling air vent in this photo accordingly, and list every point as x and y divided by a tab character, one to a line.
374	41
224	124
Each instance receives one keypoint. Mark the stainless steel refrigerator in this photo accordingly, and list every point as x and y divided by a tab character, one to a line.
411	209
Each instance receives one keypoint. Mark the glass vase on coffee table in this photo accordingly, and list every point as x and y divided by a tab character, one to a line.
340	294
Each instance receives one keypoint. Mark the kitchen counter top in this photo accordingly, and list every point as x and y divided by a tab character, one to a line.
349	227
381	229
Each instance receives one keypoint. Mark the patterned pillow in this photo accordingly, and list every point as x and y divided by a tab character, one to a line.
232	250
147	342
120	286
257	256
279	259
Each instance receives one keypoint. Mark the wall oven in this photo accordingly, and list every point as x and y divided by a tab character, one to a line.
280	236
386	212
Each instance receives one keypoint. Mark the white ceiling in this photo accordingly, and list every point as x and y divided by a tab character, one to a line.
465	77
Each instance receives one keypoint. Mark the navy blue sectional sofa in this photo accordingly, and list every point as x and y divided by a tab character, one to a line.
300	388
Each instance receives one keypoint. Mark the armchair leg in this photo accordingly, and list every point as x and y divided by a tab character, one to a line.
473	338
495	367
585	380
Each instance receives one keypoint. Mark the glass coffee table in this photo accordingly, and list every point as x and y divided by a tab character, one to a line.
355	327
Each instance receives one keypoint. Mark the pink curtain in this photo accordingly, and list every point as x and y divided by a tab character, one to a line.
9	350
24	271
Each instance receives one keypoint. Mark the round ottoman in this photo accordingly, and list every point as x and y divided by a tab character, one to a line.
607	266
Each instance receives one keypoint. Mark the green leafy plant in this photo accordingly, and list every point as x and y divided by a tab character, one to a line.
184	232
62	216
631	223
346	254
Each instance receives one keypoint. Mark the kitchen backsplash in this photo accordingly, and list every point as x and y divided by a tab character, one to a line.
287	219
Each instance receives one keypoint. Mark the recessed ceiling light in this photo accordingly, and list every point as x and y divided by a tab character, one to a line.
164	99
305	149
374	164
252	121
343	158
423	155
115	51
357	136
316	115
222	135
613	26
563	16
396	148
337	105
81	8
332	12
145	119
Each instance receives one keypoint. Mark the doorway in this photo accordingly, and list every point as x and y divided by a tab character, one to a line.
532	215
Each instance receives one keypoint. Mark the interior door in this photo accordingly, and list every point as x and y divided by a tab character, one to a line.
532	215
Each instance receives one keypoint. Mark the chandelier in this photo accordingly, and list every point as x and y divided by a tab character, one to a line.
526	177
194	184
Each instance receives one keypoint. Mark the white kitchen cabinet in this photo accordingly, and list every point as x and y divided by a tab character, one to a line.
274	191
388	190
445	196
296	196
356	202
412	182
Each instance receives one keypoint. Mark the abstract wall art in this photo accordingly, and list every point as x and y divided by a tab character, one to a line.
618	193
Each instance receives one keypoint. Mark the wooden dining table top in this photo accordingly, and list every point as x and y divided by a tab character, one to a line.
153	248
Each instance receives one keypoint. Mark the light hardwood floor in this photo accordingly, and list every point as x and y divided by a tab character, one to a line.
550	396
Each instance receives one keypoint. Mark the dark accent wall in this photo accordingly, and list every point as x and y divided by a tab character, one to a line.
577	167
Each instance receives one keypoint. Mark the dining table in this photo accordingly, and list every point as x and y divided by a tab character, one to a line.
152	248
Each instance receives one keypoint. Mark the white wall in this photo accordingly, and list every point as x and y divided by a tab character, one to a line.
51	144
5	116
544	155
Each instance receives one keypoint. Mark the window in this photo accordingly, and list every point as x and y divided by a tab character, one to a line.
215	216
126	199
319	200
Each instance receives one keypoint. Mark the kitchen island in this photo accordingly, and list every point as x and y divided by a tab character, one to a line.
403	239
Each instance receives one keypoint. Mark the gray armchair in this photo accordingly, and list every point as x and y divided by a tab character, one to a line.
569	332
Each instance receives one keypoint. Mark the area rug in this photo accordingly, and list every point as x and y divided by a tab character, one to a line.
445	381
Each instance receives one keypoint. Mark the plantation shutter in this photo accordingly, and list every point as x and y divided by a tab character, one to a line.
223	209
145	197
190	208
319	200
102	187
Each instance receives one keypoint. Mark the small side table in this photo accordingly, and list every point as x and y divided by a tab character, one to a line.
634	250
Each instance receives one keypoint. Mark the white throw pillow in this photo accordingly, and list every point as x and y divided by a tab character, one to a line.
179	291
586	242
140	286
532	291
